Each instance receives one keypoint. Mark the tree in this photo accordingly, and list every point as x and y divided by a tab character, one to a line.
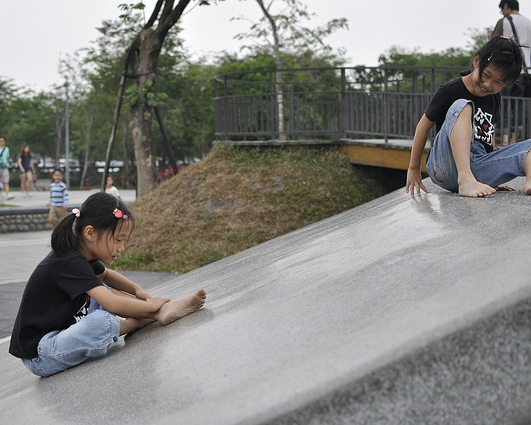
280	30
141	63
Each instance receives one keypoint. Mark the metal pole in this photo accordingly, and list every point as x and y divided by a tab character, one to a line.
67	138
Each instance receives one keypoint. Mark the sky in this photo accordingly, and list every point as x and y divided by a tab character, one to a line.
35	34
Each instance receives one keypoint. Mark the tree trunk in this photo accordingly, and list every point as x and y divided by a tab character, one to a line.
141	64
279	90
89	120
142	112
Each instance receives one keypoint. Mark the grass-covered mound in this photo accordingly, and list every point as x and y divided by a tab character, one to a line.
236	198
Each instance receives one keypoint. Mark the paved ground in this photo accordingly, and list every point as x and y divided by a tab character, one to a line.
39	199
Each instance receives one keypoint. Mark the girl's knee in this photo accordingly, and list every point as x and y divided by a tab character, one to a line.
102	324
461	107
465	115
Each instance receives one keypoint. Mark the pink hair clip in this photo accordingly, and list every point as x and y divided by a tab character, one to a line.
76	212
119	214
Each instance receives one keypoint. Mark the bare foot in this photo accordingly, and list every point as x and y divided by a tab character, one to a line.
180	307
474	189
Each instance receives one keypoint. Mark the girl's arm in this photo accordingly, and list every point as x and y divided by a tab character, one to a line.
19	162
414	177
121	283
126	306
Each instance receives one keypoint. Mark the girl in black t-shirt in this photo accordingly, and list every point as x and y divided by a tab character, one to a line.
70	306
465	111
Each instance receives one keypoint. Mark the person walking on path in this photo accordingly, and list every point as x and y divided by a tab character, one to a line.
58	199
27	170
111	189
73	308
465	111
517	27
4	166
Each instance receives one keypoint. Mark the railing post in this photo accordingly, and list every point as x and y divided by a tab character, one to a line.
225	107
385	107
273	109
291	110
343	108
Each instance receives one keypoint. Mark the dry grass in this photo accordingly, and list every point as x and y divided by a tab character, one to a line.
236	198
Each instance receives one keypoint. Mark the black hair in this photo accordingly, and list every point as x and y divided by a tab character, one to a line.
97	211
502	53
511	4
58	169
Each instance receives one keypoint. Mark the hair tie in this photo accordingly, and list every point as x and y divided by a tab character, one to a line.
119	214
76	212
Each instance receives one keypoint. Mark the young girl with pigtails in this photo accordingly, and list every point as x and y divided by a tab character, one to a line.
73	307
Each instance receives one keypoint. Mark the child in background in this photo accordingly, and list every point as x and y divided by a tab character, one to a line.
465	110
58	199
112	190
70	306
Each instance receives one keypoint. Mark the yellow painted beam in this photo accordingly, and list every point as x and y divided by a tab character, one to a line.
381	157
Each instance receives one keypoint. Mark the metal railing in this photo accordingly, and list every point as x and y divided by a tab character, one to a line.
338	104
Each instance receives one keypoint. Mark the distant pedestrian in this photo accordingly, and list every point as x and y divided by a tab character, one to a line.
27	170
4	166
112	190
517	27
58	199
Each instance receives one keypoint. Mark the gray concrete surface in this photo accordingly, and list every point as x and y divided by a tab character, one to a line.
398	311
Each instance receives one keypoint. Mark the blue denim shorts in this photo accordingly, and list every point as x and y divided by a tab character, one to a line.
494	168
90	337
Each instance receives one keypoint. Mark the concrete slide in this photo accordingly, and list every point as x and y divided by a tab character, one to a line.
410	311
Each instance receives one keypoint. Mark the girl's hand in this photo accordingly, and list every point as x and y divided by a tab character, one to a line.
414	182
142	294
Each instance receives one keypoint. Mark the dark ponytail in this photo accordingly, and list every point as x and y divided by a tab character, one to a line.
97	211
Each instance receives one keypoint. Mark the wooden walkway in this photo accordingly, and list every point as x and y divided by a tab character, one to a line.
376	152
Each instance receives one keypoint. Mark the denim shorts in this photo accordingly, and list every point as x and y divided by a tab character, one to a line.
494	168
90	337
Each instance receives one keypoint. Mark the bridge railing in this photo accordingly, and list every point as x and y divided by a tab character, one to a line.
338	104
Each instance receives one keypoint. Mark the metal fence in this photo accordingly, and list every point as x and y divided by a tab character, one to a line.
338	104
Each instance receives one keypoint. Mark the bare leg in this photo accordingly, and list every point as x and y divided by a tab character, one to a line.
505	141
460	139
23	183
129	325
527	171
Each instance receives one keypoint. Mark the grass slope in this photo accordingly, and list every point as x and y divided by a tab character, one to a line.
236	198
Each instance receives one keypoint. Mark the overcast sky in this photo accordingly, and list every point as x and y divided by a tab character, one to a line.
34	34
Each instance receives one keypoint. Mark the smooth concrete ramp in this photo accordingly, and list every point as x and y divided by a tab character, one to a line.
398	311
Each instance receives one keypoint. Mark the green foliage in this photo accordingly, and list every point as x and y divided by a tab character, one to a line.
281	29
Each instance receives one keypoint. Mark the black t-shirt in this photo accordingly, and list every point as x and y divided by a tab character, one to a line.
54	299
487	109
